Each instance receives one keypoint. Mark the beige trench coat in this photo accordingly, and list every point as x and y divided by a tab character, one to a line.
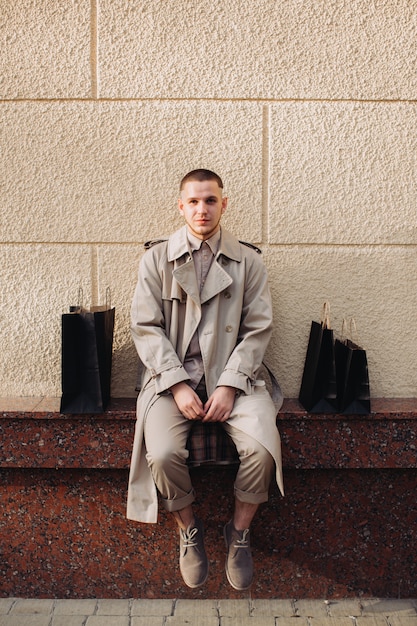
234	317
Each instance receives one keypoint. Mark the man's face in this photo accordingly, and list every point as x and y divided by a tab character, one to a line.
202	206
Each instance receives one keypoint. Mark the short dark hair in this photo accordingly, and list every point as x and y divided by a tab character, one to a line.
201	175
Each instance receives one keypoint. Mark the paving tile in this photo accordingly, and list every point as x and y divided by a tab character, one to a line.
108	620
196	608
372	620
75	607
282	608
152	607
234	608
27	620
345	608
388	606
113	607
148	621
192	621
6	604
403	620
33	606
68	620
307	608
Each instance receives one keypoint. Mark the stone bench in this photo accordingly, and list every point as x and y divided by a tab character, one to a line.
346	527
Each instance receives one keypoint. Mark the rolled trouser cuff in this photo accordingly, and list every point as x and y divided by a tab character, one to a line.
251	498
179	503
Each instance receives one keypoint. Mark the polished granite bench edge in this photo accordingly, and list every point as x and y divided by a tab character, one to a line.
125	408
49	408
34	434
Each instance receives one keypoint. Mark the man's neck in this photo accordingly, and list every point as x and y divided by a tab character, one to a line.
212	241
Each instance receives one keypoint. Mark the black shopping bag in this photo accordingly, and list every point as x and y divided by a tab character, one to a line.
353	391
318	392
87	342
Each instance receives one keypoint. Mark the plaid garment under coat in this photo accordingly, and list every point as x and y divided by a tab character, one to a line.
210	444
207	443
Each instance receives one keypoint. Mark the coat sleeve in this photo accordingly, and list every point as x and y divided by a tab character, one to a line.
149	330
255	328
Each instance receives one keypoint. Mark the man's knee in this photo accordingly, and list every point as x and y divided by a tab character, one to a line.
165	457
254	452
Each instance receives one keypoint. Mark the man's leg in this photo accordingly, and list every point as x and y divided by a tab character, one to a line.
184	517
243	514
251	489
166	433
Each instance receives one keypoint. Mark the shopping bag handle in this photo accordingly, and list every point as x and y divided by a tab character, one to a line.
108	298
325	316
352	333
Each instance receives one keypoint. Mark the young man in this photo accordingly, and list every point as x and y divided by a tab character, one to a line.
201	321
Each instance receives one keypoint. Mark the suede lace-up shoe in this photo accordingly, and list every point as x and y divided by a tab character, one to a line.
239	565
193	559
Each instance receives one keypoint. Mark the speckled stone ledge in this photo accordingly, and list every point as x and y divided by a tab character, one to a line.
386	438
33	433
346	527
37	435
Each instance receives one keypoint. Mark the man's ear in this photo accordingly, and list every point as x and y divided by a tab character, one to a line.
180	205
224	204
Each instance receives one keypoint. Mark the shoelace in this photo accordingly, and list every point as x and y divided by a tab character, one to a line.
188	538
244	542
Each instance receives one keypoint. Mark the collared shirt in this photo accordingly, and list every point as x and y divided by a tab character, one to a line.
203	254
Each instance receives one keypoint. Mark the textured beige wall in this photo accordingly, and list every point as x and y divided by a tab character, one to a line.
308	111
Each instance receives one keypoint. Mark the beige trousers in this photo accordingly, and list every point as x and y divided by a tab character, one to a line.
166	432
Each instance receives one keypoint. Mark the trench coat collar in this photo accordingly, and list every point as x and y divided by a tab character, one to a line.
217	279
178	245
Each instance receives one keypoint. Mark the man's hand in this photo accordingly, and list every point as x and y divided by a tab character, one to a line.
220	404
188	401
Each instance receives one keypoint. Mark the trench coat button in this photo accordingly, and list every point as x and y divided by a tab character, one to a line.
225	261
229	329
227	295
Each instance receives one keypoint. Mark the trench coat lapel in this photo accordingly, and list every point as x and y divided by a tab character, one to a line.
186	278
217	280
